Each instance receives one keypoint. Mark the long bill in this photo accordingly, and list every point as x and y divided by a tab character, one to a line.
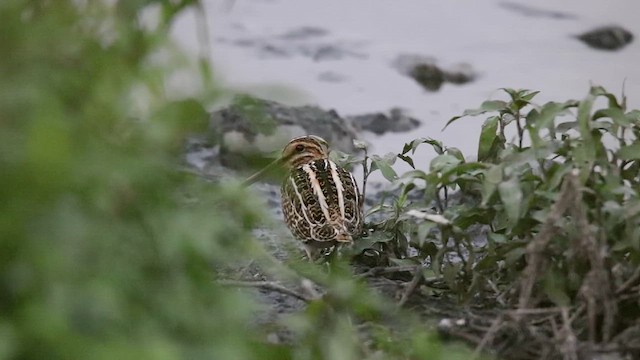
273	166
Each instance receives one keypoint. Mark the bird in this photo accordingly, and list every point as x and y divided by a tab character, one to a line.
321	202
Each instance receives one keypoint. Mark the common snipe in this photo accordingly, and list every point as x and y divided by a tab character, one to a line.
321	202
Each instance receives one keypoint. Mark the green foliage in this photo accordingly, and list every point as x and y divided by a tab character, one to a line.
102	255
558	207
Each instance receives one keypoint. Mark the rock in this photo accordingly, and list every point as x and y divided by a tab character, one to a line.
380	123
251	129
427	73
607	38
460	74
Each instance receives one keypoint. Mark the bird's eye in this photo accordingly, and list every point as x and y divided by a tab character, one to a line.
299	148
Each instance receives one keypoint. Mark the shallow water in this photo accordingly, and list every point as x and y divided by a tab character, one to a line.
340	54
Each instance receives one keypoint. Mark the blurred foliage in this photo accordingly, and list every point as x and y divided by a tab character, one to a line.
102	256
108	249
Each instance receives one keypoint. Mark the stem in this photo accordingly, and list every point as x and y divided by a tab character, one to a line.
520	129
446	197
365	174
439	202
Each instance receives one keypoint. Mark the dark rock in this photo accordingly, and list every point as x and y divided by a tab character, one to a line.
607	38
380	123
252	127
460	74
427	73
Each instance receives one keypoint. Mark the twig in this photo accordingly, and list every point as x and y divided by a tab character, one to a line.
466	336
534	311
439	202
488	337
446	197
380	270
417	276
520	129
569	347
629	283
539	243
365	174
267	285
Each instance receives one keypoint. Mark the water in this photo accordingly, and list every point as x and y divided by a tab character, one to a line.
339	54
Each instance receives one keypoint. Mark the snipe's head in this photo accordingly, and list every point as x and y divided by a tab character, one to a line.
303	150
299	151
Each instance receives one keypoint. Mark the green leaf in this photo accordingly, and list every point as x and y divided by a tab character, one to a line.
550	111
379	236
450	274
554	288
466	168
616	114
383	164
407	159
487	106
488	135
405	190
633	116
344	159
532	119
497	238
555	174
492	177
632	208
529	95
600	91
511	196
456	152
520	98
415	174
443	162
585	152
566	126
428	248
423	231
629	152
413	145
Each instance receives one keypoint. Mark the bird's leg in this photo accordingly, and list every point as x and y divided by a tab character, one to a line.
312	253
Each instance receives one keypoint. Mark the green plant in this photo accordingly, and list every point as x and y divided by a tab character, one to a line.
558	206
102	254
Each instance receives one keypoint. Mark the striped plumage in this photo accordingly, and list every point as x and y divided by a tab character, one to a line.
321	203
